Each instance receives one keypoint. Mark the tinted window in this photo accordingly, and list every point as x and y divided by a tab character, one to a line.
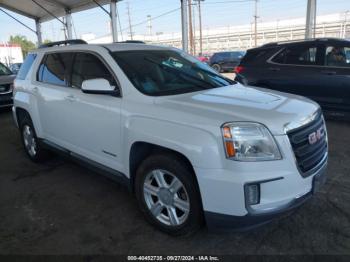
4	70
167	72
25	67
225	56
54	69
255	56
88	66
298	55
337	56
237	55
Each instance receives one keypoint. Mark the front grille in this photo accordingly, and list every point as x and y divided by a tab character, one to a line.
309	156
5	88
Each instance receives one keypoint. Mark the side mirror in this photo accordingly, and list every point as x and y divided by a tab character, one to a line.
98	86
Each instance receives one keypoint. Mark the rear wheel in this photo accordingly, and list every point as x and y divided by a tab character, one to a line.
217	68
168	196
30	141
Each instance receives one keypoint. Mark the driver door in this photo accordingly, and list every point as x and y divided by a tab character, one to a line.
93	122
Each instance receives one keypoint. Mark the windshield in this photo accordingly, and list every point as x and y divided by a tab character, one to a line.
167	72
4	70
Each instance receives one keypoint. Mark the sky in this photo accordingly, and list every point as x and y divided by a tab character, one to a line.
215	13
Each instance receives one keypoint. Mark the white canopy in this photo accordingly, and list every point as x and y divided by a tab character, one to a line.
36	8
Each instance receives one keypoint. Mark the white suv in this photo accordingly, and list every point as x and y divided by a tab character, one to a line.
191	144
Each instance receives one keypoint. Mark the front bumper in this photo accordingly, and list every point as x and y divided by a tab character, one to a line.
282	189
6	100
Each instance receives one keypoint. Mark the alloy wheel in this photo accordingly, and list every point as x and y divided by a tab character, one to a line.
166	197
29	140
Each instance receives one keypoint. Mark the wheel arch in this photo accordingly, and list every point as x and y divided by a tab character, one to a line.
21	113
141	150
26	103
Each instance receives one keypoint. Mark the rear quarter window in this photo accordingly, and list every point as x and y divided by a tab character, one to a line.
27	64
256	56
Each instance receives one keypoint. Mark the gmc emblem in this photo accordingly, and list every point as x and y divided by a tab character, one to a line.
316	136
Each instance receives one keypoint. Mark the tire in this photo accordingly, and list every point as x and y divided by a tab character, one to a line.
176	203
31	144
217	68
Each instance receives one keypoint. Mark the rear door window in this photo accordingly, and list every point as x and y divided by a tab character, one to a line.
55	69
25	67
297	55
337	56
88	66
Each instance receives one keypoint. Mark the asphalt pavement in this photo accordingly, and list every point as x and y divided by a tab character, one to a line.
62	208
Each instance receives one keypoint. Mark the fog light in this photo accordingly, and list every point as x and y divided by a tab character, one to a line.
253	194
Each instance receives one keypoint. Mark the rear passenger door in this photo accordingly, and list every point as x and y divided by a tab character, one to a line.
52	94
335	77
295	69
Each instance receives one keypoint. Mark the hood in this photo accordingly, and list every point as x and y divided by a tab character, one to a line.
7	79
276	110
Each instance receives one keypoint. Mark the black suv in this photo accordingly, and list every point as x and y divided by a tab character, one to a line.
318	69
225	61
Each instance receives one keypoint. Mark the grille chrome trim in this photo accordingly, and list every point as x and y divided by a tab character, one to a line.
309	158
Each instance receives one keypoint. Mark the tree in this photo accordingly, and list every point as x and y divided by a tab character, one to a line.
23	42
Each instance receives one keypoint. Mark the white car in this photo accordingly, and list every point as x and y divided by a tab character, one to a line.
194	146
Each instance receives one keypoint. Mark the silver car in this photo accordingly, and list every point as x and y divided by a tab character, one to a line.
6	86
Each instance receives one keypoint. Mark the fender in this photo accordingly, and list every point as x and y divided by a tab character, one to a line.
28	102
198	145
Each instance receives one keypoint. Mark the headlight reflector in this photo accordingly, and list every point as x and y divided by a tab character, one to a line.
246	141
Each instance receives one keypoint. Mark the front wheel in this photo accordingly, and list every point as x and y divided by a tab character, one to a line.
168	196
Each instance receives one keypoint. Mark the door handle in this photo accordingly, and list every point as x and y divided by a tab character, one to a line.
275	69
330	73
71	98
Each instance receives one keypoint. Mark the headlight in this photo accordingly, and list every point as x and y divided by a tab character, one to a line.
245	141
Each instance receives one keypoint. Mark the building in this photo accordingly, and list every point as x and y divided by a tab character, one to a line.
241	37
10	54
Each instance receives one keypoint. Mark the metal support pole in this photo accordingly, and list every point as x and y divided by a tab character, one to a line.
184	23
200	27
190	25
310	19
38	31
69	24
256	24
114	29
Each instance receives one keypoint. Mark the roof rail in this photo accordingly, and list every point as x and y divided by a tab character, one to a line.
65	42
302	40
286	42
131	42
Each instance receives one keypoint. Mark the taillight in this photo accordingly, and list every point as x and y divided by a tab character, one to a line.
239	69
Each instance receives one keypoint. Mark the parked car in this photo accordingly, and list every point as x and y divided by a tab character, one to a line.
225	61
191	144
6	86
318	69
15	68
203	58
